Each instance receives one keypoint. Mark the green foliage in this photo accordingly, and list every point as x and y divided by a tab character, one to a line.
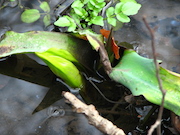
66	21
88	12
109	13
83	14
94	39
45	6
32	15
139	75
121	11
61	63
47	20
61	52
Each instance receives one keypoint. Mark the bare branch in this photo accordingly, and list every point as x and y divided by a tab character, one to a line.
93	116
158	121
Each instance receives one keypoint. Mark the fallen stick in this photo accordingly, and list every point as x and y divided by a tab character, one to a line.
92	115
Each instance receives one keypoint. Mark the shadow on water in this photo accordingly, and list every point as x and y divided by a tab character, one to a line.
18	101
37	107
33	104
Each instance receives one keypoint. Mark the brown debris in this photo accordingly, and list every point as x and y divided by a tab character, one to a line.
93	116
5	49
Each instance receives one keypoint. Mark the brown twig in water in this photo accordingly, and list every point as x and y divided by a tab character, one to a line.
93	116
158	121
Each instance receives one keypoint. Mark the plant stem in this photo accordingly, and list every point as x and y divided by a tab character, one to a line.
158	121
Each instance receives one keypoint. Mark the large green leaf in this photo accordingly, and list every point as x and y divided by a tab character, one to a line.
60	52
138	74
60	62
40	41
34	41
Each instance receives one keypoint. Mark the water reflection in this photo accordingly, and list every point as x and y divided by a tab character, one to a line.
18	100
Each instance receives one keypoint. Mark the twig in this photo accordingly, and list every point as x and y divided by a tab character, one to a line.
105	59
158	121
93	116
104	14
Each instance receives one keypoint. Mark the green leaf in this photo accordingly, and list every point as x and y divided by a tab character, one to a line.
94	39
94	13
139	75
63	22
88	19
85	1
100	1
89	23
90	6
118	8
112	21
130	8
30	15
47	20
72	27
66	46
100	5
98	20
45	6
40	41
76	18
66	21
61	53
93	2
123	18
81	12
59	61
110	11
77	3
97	10
124	1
